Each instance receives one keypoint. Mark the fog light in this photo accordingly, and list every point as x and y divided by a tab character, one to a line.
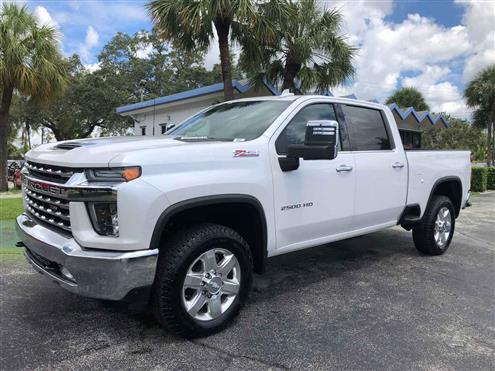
104	218
65	272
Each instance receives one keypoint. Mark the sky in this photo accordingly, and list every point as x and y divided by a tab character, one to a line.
436	46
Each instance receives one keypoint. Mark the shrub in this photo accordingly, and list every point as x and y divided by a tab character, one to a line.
490	184
479	177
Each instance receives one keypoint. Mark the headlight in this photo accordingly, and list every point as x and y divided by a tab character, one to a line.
116	174
104	218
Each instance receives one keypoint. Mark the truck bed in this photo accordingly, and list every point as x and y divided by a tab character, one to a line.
427	167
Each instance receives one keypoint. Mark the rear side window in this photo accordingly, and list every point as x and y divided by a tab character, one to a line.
295	131
367	129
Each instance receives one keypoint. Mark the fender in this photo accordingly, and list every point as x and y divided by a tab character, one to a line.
181	206
443	180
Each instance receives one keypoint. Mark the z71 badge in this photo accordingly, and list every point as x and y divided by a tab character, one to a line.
296	206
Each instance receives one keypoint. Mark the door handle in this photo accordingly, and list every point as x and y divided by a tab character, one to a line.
341	168
398	165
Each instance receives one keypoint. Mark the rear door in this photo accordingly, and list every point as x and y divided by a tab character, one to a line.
316	201
380	168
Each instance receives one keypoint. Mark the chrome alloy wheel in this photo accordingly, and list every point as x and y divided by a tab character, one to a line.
211	284
443	226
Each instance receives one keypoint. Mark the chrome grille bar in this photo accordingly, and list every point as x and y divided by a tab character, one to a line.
49	170
47	210
48	219
53	201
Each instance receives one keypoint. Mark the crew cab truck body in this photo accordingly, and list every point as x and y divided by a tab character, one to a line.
188	216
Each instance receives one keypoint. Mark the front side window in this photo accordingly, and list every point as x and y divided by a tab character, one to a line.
295	131
366	128
237	120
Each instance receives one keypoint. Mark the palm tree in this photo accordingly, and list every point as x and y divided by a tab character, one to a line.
480	94
409	97
29	64
191	24
308	48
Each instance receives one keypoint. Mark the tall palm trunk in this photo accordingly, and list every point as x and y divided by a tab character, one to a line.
225	62
489	140
290	72
4	134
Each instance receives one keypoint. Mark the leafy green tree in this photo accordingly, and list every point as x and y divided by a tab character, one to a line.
143	64
308	47
480	94
87	103
409	97
190	25
30	64
460	135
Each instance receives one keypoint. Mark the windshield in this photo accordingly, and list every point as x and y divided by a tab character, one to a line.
231	121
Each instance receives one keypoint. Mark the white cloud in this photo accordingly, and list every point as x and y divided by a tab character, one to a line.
144	50
92	67
418	45
479	20
44	18
92	37
442	96
91	40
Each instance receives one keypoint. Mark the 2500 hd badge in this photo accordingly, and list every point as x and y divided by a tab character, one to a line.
296	206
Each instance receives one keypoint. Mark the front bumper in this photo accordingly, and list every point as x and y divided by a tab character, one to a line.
93	273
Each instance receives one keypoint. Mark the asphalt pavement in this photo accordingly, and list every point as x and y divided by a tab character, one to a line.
368	303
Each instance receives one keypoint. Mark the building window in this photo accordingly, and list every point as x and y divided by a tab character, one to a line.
143	130
163	128
410	139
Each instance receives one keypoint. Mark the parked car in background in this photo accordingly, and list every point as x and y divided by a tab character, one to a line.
185	219
12	165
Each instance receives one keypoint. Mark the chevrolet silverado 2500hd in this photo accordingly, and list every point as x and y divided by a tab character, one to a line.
188	216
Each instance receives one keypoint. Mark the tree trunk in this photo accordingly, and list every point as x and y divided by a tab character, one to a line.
225	62
290	73
489	142
4	135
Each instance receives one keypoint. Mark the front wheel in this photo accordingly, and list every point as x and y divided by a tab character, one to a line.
203	278
433	234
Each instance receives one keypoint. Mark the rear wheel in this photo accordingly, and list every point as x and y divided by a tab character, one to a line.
203	278
433	234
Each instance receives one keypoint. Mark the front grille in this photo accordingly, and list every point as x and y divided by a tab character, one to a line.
41	204
56	174
48	209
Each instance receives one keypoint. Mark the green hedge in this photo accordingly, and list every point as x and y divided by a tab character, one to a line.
490	184
479	176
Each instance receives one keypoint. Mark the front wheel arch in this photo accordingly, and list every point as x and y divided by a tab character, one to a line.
240	212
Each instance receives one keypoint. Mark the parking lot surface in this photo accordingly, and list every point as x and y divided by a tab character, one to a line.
366	303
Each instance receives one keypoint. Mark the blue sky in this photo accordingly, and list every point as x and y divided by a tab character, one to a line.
434	45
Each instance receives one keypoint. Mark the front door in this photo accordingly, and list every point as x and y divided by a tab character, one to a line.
315	202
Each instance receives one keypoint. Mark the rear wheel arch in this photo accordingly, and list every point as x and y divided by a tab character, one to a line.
242	213
450	187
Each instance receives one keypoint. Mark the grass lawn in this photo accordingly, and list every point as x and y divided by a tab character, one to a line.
10	207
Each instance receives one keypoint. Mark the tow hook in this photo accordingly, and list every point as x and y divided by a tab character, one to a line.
20	244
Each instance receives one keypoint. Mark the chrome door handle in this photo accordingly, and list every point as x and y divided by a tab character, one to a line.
398	165
341	168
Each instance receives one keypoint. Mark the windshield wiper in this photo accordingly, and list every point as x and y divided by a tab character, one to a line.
202	138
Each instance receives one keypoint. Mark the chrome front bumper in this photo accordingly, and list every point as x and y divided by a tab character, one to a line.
98	274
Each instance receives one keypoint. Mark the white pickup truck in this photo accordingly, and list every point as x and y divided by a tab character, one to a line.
186	218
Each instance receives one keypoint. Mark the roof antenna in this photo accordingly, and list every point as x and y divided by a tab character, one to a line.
286	93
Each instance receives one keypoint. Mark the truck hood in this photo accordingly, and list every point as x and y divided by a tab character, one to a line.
98	152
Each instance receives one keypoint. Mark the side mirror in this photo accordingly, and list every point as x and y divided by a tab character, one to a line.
320	142
169	126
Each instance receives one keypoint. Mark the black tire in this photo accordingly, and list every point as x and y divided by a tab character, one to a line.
424	231
174	261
